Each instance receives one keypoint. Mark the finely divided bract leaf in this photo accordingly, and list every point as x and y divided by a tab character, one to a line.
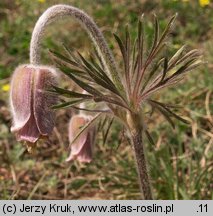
82	84
158	44
90	71
69	103
121	46
98	96
149	137
105	135
172	62
165	68
71	53
164	113
164	109
164	80
63	58
184	68
125	51
140	41
152	73
167	29
156	35
192	54
102	123
70	94
98	75
90	110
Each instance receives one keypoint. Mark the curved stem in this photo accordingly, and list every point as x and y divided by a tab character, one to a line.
54	13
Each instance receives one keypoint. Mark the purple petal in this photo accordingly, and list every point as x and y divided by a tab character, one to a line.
20	96
76	123
29	132
85	155
81	149
43	100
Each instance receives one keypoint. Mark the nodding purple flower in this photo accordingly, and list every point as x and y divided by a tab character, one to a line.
82	147
31	103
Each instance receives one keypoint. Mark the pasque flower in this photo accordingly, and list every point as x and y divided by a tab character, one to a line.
127	92
31	103
82	147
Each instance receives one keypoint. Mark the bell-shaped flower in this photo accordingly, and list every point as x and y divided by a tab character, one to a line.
82	147
31	103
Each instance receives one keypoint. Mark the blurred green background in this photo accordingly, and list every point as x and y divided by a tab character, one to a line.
181	161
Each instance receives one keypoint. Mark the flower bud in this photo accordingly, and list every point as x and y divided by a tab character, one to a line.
31	103
82	147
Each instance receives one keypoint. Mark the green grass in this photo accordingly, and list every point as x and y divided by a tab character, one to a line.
180	163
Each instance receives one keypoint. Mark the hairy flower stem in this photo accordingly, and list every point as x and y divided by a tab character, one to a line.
136	131
57	11
141	165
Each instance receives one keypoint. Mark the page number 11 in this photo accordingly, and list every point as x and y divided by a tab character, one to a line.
203	208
